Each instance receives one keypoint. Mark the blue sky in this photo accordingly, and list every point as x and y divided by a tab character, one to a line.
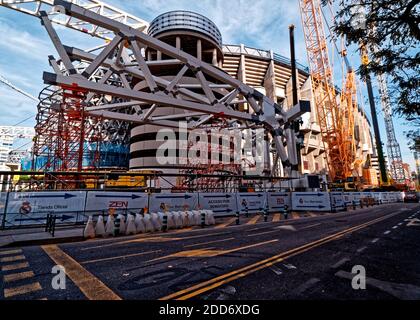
256	23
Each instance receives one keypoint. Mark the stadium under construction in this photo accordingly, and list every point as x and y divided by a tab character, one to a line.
100	118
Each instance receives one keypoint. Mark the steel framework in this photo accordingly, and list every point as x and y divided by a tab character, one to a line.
336	121
34	8
122	58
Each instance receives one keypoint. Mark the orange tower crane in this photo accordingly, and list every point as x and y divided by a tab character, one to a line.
336	120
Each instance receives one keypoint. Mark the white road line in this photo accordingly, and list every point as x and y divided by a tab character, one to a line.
289	266
375	240
276	270
340	263
394	227
400	223
386	232
361	249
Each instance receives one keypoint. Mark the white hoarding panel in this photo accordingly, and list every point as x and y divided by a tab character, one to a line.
104	200
311	201
253	202
222	204
357	196
337	200
33	207
173	202
348	198
279	201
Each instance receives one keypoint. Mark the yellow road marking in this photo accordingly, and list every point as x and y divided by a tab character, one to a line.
208	242
208	252
311	214
151	239
254	220
225	224
4	253
12	258
276	217
120	257
92	287
244	271
27	288
15	266
18	276
295	215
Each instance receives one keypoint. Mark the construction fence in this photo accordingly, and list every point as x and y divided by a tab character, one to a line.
24	209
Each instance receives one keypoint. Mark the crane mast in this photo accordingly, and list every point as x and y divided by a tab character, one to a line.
393	147
336	121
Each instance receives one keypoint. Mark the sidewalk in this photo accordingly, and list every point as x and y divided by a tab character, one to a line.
38	236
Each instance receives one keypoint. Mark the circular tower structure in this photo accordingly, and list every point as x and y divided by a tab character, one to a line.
196	35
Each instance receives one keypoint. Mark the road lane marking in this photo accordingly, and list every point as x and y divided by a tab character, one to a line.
18	276
218	281
209	252
12	258
120	257
289	266
253	220
310	226
276	270
153	239
276	217
91	287
7	252
394	227
15	266
387	232
27	288
260	233
207	242
402	291
375	240
311	214
305	286
361	249
225	224
340	263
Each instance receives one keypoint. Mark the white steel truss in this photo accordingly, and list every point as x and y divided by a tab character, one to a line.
34	7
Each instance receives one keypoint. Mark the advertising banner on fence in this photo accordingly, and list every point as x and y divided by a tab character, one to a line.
251	201
33	207
222	204
278	201
348	198
104	200
311	201
337	200
173	202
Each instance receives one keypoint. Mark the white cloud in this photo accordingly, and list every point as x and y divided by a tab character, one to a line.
21	42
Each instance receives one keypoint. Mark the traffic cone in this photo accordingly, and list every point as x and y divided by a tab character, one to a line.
109	227
89	231
140	227
100	227
123	225
131	225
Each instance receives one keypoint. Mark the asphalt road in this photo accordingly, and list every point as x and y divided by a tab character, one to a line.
307	258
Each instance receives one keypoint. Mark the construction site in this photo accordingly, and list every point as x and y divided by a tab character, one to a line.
154	132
